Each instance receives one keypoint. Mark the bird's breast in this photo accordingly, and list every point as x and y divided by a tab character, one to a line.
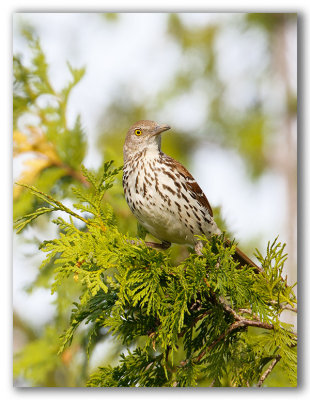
160	200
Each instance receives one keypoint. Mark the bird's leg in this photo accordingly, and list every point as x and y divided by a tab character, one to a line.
198	248
163	245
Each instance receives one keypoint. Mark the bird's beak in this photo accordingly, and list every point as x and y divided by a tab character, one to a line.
161	128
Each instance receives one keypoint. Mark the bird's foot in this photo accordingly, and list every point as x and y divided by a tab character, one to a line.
198	248
163	245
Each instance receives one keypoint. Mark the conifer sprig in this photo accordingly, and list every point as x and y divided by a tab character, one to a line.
205	321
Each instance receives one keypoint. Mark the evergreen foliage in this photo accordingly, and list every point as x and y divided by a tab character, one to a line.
55	150
203	321
174	321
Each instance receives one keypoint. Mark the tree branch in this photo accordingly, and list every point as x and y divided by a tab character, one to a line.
284	306
194	322
268	370
239	322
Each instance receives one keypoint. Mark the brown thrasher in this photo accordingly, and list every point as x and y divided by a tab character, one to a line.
163	195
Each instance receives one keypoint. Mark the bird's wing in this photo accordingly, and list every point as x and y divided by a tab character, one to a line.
191	185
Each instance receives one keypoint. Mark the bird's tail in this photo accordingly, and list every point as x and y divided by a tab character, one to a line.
243	259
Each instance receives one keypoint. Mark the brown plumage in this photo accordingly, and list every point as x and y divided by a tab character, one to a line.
191	184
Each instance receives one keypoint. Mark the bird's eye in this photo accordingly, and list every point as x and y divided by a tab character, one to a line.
138	132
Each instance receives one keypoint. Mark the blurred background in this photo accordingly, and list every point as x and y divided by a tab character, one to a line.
225	83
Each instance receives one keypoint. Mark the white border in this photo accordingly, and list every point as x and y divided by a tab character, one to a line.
7	10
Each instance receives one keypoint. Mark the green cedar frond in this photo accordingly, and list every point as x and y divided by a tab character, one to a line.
56	205
22	222
205	321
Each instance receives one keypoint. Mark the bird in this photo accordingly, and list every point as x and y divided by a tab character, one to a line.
163	195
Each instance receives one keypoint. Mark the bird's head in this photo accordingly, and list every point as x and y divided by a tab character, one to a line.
143	135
